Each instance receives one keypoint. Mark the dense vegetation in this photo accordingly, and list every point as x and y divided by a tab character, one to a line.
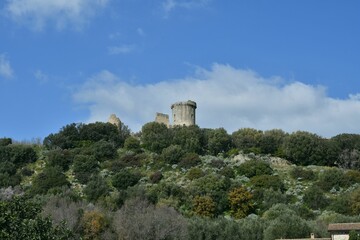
97	181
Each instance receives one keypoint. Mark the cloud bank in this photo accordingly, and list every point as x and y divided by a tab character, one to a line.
63	13
227	97
5	68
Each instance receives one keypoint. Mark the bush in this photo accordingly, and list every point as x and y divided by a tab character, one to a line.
314	198
51	177
195	173
130	160
124	179
253	168
96	188
227	172
172	154
241	203
332	178
302	174
203	206
132	144
84	167
5	141
189	160
217	163
156	177
59	157
267	182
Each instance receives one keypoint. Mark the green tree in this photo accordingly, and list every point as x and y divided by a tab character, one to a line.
51	177
190	138
218	141
59	157
124	179
271	141
172	154
155	136
253	168
96	188
21	219
247	139
204	206
132	144
314	198
84	167
240	201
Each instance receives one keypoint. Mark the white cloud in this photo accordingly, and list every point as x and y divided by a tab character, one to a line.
170	5
63	13
140	31
5	68
226	97
121	49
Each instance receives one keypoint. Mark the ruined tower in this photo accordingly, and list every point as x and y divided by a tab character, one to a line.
183	113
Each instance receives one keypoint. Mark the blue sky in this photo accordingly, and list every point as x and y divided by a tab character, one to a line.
283	64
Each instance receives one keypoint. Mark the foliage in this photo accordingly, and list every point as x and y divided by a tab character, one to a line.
349	159
218	141
156	177
96	188
267	182
155	136
355	201
332	178
353	235
75	135
93	223
195	173
138	219
190	138
5	141
21	219
103	150
132	144
203	206
302	174
271	141
246	138
84	167
253	168
287	226
50	177
59	157
172	154
240	201
189	160
314	198
124	179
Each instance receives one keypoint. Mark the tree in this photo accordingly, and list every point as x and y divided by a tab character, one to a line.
5	142
132	144
271	141
93	223
218	141
314	198
51	177
246	139
240	201
21	219
203	206
84	167
190	138
96	188
172	154
253	168
155	136
301	147
59	157
138	219
124	179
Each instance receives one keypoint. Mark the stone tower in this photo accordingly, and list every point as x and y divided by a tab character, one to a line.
183	113
113	119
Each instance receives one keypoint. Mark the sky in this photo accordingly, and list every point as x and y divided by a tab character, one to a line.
263	64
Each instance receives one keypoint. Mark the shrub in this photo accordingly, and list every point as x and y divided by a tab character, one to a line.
203	206
302	174
267	181
124	179
96	188
5	141
314	198
51	177
84	167
172	154
240	201
93	223
253	168
217	163
130	160
59	157
156	177
227	172
195	173
332	178
132	144
190	160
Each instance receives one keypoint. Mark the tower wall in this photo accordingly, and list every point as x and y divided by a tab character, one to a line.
183	113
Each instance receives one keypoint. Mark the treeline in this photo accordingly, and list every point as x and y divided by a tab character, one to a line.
177	183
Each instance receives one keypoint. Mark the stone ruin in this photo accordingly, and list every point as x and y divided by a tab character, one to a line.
183	114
